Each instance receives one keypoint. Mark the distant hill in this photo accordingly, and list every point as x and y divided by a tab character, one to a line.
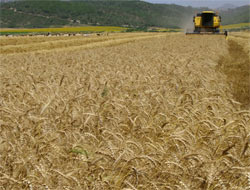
236	15
29	14
226	7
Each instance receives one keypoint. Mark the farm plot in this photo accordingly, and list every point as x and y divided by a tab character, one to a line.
151	111
24	44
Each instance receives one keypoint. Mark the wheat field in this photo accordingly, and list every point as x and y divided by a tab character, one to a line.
125	111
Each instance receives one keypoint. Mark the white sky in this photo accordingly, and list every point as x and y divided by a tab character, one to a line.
202	3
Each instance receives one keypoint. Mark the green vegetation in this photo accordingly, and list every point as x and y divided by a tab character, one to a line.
115	13
235	16
136	14
84	29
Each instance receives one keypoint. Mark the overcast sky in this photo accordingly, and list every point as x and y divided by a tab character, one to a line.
202	3
193	3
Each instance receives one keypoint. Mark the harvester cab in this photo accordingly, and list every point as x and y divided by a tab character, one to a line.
207	22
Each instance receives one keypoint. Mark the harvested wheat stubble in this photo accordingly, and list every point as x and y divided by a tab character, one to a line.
148	114
236	66
72	43
19	40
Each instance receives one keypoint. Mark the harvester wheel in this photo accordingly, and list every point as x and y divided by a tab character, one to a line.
197	30
216	31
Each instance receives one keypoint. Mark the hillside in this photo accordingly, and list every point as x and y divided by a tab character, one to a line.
116	13
237	15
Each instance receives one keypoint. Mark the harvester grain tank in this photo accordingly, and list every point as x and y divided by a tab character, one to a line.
207	22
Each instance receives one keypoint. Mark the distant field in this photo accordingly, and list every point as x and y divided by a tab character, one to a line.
160	29
66	29
86	29
228	27
236	26
89	29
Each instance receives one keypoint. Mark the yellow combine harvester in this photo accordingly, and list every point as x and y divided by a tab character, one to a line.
207	22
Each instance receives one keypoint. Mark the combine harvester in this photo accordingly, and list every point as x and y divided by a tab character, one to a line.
207	22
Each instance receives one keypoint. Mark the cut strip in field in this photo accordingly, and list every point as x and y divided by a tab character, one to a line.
73	43
236	65
21	40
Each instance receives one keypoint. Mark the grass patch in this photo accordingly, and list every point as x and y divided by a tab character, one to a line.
14	33
78	150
